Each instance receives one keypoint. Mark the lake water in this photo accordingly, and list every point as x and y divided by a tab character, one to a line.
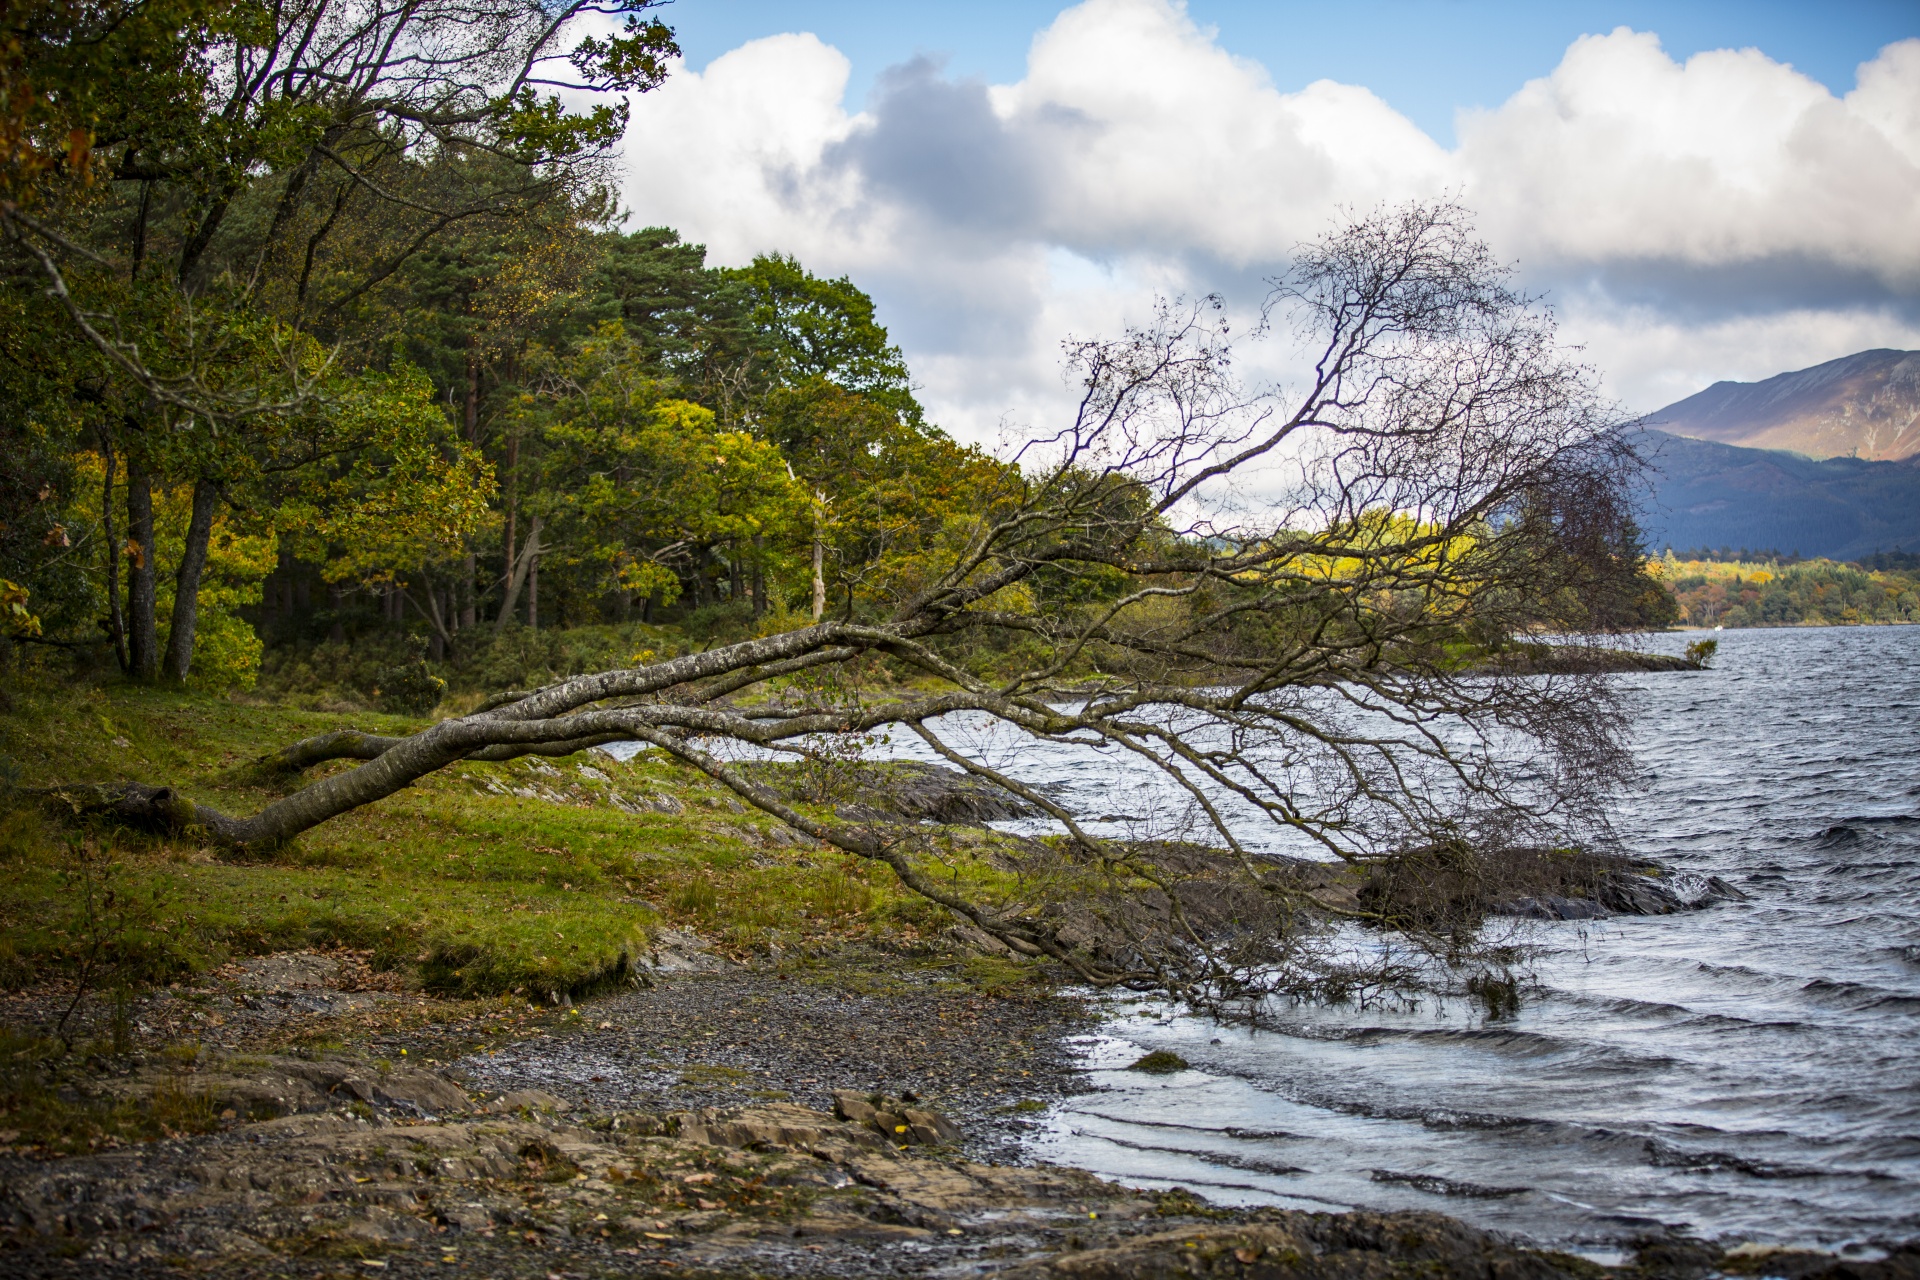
1748	1071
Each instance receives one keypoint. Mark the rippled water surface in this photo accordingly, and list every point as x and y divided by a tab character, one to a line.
1750	1070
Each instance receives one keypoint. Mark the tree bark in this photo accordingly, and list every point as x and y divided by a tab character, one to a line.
759	574
143	640
116	620
472	409
819	582
186	589
513	514
517	576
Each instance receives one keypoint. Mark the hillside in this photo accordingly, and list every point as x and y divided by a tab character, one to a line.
1866	405
1705	494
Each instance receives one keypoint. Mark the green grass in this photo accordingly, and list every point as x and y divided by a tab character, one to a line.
470	887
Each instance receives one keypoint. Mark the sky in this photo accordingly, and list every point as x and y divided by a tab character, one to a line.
1701	191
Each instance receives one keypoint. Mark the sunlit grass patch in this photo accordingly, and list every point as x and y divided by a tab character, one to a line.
539	877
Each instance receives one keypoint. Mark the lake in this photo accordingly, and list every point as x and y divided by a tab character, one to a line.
1751	1070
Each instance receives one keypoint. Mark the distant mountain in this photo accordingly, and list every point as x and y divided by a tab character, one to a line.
1865	405
1704	494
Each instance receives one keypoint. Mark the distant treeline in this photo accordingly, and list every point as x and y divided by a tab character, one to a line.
1782	592
1897	560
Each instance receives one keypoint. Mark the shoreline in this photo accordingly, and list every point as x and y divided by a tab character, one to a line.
682	1127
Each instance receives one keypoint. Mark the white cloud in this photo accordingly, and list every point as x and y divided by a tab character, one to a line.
733	156
1654	359
1722	217
1730	160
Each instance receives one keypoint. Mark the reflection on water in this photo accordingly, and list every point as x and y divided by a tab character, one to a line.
1752	1070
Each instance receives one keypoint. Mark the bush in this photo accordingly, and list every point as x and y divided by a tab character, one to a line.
409	689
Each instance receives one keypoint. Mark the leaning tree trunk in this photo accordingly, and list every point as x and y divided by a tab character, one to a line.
1302	673
186	590
143	638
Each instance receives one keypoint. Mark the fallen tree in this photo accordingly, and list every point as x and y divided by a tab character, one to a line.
1444	477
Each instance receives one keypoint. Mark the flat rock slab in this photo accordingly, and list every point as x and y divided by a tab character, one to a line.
288	971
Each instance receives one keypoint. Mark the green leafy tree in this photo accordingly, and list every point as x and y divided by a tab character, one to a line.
645	489
203	188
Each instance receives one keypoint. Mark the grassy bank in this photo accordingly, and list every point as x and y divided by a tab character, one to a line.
533	877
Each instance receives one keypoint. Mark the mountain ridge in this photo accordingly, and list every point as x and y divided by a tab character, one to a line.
1701	493
1865	406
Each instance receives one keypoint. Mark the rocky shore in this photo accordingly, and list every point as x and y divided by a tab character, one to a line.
722	1122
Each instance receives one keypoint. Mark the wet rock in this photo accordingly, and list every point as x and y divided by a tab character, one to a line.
1621	890
898	791
1160	1062
896	1119
1303	1246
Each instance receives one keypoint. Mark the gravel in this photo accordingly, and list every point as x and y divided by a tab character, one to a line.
734	1038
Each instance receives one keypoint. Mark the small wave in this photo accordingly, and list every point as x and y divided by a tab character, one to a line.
1664	1155
1610	1003
1857	995
1468	1120
1221	1159
1512	1040
1851	830
1439	1186
1230	1131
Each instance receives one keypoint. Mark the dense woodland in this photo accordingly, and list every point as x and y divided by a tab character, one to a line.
1780	592
372	373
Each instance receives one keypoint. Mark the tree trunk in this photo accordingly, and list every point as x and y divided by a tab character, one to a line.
469	590
533	586
186	588
335	599
143	640
116	620
283	589
513	513
759	574
819	582
517	576
736	590
472	414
